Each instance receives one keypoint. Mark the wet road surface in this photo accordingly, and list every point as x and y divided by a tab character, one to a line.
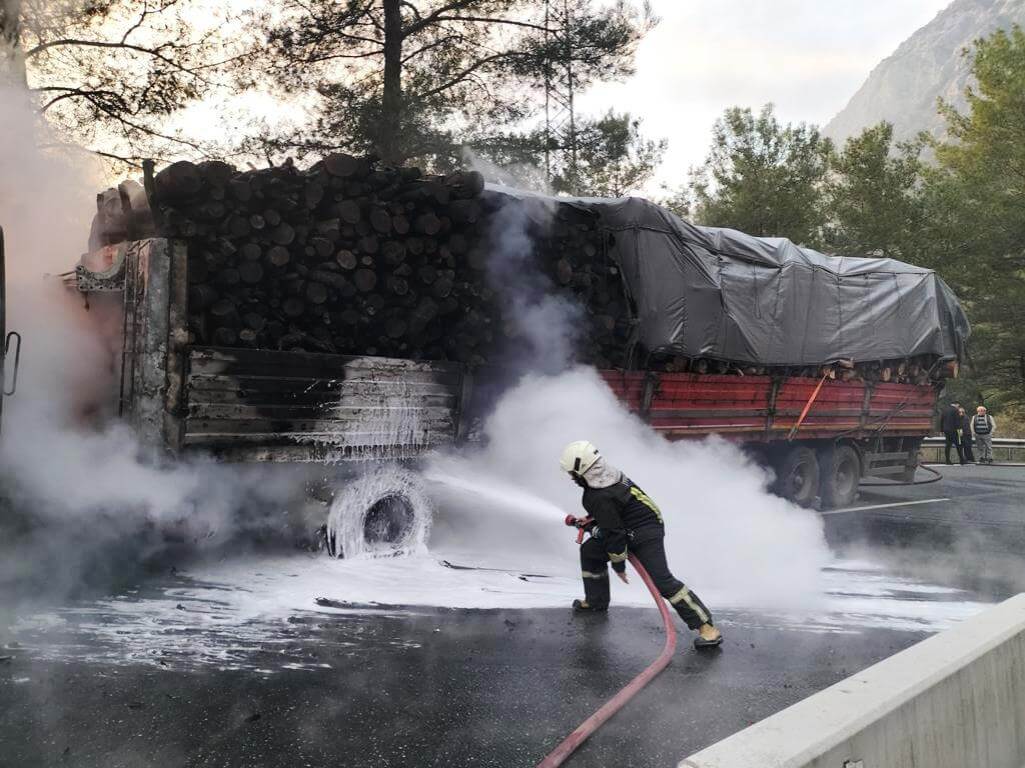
477	688
427	687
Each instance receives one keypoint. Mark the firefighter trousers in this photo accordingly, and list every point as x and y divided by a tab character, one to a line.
651	551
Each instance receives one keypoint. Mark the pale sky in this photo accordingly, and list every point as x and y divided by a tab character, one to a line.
808	57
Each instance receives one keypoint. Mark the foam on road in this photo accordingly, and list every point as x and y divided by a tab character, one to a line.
225	614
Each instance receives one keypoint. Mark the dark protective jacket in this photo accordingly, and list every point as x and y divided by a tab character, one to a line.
620	511
950	421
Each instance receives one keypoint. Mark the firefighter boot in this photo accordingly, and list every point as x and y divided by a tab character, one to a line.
708	637
582	606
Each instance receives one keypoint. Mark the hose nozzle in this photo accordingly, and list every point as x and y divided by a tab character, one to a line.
581	524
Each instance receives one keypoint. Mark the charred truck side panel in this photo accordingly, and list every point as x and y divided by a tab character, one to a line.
259	405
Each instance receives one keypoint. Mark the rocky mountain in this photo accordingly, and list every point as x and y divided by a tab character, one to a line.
904	87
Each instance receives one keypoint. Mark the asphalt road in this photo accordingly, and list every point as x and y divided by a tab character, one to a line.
966	530
452	688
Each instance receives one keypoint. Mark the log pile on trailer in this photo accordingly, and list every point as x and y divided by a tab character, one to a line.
345	310
349	257
352	257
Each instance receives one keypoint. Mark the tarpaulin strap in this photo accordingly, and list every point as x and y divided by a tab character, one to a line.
807	407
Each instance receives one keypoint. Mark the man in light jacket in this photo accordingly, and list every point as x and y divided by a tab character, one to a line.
983	427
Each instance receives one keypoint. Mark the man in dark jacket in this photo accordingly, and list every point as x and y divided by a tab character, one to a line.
966	437
950	423
624	519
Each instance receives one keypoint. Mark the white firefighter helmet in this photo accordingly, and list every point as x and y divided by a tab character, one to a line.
578	456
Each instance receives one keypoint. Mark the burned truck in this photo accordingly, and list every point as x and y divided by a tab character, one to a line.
352	311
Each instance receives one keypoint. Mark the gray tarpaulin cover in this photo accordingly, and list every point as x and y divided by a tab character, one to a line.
721	294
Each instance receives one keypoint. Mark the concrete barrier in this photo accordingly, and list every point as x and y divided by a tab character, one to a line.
952	701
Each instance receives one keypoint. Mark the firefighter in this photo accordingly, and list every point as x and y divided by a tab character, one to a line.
624	519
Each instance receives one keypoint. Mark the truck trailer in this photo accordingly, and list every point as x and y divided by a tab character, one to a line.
826	369
820	435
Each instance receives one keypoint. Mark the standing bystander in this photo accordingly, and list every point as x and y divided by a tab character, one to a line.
967	457
983	427
950	423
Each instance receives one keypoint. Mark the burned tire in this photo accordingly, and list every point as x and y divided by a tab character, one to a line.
840	470
797	476
382	513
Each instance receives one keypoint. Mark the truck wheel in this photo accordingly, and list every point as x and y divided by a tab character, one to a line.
841	473
382	513
798	476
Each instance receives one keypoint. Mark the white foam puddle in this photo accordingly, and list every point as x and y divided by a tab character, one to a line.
262	615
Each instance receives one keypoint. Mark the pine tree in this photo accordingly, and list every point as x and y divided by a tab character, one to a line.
420	80
763	178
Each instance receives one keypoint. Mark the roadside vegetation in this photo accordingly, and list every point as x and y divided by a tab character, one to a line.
954	204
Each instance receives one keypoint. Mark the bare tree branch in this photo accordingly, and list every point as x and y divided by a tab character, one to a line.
497	20
426	21
458	78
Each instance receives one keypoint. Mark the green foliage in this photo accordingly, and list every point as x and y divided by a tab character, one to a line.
612	159
763	178
975	234
677	200
873	196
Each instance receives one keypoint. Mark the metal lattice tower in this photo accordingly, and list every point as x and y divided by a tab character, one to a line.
560	117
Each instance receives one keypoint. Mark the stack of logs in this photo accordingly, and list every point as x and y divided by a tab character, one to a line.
919	370
350	257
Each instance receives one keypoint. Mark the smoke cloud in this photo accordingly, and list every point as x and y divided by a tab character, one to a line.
546	324
79	499
726	536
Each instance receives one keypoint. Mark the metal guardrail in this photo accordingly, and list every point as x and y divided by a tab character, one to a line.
997	441
1009	450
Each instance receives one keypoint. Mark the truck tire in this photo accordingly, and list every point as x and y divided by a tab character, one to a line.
797	476
840	466
382	513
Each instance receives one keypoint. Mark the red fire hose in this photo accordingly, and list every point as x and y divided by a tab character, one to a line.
562	752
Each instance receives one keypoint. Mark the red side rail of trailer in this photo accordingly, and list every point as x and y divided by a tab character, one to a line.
763	408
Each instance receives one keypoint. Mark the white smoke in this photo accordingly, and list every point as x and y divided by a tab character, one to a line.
726	536
549	325
72	477
518	176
